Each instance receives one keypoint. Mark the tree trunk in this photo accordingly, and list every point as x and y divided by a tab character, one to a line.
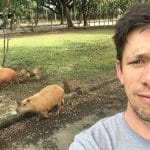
67	14
84	19
37	13
5	46
61	20
69	21
84	11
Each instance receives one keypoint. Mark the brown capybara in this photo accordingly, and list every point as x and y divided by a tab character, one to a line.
67	87
22	72
37	74
23	75
43	101
7	75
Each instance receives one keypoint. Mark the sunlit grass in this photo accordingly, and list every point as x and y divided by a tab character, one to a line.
73	54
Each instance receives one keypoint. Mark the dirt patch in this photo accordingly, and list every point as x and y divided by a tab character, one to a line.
105	101
19	92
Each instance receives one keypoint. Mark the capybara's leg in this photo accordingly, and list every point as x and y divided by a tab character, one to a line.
45	114
62	102
16	80
59	106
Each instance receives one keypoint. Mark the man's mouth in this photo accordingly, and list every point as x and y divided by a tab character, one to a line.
145	97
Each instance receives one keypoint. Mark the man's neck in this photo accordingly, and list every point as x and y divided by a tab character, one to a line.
138	125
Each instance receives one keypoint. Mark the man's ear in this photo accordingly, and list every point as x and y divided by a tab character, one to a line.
119	71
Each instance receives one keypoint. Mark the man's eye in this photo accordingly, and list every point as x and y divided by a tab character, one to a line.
138	62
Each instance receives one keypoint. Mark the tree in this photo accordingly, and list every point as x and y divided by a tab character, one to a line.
60	7
83	7
5	11
112	8
12	10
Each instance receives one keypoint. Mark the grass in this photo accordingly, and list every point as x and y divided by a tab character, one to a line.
72	54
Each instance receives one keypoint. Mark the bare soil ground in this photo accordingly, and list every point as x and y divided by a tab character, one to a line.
105	101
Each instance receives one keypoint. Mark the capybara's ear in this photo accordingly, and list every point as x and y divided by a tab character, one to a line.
28	100
18	102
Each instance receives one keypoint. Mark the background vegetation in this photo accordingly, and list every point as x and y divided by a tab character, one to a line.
74	54
63	10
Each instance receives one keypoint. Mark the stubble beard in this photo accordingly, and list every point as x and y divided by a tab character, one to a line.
141	114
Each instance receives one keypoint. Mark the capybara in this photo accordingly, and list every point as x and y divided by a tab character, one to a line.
43	101
37	74
67	87
22	72
23	75
7	75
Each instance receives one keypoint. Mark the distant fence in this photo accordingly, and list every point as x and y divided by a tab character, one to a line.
100	13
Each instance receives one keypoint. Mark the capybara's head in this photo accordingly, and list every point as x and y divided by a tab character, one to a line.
25	106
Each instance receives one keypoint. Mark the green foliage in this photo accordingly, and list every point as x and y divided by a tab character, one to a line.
14	10
65	55
112	8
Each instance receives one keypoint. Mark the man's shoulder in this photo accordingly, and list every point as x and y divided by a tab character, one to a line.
108	123
110	120
104	127
101	134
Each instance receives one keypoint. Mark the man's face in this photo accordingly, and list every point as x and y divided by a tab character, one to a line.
135	73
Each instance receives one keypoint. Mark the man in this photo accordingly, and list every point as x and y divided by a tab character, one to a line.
129	130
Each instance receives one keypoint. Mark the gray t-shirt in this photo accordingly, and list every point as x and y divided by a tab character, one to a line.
111	133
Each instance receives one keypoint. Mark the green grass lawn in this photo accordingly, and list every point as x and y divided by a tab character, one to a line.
72	54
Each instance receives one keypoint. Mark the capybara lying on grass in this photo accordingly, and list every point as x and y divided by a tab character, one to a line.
7	75
43	101
23	75
26	74
37	74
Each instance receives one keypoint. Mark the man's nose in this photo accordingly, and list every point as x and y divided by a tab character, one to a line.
146	75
